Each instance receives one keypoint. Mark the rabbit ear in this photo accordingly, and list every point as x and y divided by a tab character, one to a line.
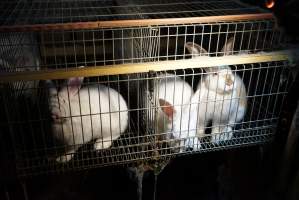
195	49
228	46
167	108
74	85
52	88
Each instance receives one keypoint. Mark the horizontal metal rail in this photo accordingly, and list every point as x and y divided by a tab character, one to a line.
133	23
198	62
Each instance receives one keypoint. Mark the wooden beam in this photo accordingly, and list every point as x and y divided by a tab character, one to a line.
134	23
199	62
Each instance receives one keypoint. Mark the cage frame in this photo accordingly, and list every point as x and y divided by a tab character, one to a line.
120	69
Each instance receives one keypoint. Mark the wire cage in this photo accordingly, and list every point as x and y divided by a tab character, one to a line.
81	89
98	47
21	12
38	151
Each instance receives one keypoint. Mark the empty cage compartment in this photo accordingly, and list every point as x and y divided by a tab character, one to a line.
67	49
136	82
114	32
19	52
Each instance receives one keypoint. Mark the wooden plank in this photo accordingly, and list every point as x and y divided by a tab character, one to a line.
199	62
134	23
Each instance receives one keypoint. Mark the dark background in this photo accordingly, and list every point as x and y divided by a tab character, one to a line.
245	173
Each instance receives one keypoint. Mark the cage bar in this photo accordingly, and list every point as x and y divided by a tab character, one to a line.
147	67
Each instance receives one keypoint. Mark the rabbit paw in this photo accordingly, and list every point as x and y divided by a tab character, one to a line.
64	158
100	144
225	134
193	143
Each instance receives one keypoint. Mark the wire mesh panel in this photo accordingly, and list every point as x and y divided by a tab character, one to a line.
19	52
183	125
20	12
100	47
76	124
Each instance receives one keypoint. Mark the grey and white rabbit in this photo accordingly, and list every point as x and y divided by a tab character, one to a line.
220	97
83	114
172	95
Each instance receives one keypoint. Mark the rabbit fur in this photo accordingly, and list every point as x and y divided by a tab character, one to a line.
172	95
220	97
81	115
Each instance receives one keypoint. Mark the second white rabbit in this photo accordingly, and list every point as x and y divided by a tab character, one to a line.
172	95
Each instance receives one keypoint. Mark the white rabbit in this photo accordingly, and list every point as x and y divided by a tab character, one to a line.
220	98
172	95
81	115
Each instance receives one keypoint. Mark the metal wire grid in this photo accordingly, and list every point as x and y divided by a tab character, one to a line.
30	125
20	12
68	49
16	50
65	49
262	95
